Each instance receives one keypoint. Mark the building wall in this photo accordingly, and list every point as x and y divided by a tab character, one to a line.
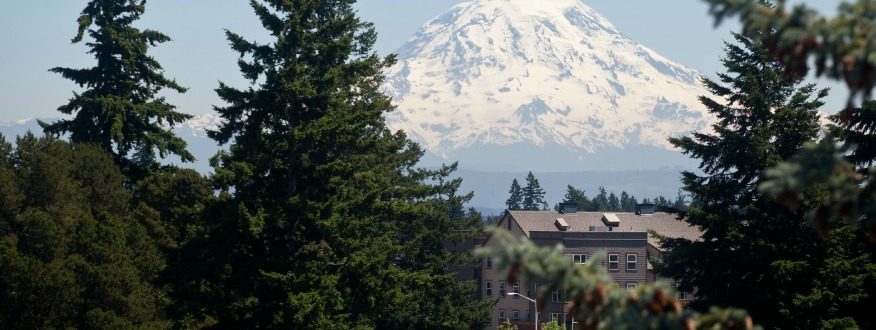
496	276
590	244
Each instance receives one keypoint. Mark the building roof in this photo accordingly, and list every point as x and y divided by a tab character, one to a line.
663	223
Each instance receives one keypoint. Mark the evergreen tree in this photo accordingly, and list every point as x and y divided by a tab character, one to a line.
577	196
762	120
70	254
792	35
533	195
600	201
171	203
120	109
323	220
680	203
624	201
613	203
662	203
628	203
858	130
515	201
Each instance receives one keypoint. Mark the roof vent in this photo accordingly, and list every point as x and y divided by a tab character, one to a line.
610	219
645	209
562	224
566	208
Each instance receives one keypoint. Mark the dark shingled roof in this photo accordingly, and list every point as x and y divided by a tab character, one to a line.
663	223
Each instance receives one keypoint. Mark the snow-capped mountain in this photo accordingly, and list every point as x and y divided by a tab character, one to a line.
549	77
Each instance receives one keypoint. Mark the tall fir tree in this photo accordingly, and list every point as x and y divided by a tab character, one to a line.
628	203
577	196
120	109
515	198
614	204
533	194
762	120
600	201
324	221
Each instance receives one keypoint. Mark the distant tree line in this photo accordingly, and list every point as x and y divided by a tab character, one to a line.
610	202
531	198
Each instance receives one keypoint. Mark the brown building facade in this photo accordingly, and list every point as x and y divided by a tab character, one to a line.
621	237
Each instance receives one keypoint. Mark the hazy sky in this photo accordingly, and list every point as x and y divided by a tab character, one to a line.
35	36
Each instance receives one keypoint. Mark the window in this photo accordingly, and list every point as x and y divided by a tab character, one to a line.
527	315
555	296
681	294
516	289
631	285
488	262
502	289
613	262
515	315
555	317
501	315
578	258
631	261
488	287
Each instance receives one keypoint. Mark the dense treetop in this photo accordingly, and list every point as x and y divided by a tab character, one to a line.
120	109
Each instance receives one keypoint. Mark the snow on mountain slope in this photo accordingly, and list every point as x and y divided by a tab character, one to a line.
549	72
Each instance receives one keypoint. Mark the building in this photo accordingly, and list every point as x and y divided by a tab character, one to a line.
622	237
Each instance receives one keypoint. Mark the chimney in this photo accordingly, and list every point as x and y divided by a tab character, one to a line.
645	209
568	208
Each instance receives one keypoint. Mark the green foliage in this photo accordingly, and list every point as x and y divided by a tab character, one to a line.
323	220
600	201
120	109
507	326
552	325
71	256
763	120
515	201
840	48
577	196
529	198
170	203
609	201
680	203
533	195
595	302
858	131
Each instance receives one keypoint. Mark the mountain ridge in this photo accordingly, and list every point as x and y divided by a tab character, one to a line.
500	72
